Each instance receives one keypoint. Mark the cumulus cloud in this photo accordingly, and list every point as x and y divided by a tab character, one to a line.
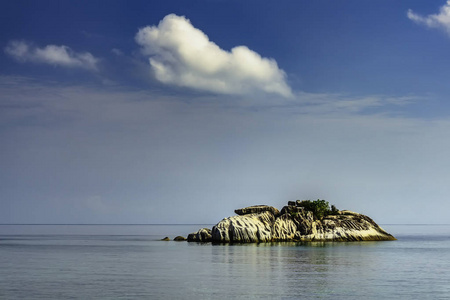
183	55
440	20
51	54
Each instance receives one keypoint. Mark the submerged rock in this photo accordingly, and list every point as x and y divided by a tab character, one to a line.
263	223
179	238
166	239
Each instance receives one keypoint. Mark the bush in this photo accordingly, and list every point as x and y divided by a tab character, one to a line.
334	210
320	208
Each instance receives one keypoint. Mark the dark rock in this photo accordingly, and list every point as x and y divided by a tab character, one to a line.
291	203
257	209
179	238
291	210
165	239
203	235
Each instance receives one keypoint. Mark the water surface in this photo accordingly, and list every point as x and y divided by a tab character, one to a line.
130	262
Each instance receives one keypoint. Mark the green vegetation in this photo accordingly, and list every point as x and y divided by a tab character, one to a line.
320	208
294	214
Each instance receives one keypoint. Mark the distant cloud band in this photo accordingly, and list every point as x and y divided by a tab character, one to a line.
54	55
183	55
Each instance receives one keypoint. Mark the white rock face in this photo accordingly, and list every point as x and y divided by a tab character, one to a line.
284	228
265	224
251	228
347	226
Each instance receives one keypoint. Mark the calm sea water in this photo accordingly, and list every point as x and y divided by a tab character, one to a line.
129	262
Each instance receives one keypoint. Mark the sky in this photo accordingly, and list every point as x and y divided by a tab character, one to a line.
179	112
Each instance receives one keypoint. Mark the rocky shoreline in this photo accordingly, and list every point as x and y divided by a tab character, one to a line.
295	222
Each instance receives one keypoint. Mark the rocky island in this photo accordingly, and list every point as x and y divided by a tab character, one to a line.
302	221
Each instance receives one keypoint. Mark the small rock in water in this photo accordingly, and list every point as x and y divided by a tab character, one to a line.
201	236
165	239
179	238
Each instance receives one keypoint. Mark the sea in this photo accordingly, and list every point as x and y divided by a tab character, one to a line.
131	262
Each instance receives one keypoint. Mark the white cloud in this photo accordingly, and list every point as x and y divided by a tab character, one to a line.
51	54
310	103
440	20
183	55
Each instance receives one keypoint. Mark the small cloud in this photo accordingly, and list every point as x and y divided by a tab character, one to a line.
440	20
183	55
51	54
309	103
117	52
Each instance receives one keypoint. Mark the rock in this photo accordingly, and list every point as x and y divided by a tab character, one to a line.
249	228
291	210
256	209
284	228
346	227
263	223
203	235
179	238
165	239
291	203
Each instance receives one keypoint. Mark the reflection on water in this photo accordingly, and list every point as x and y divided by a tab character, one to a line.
306	269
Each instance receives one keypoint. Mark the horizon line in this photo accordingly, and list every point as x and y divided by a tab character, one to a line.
4	224
125	224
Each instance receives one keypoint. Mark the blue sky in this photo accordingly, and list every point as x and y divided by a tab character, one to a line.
180	112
